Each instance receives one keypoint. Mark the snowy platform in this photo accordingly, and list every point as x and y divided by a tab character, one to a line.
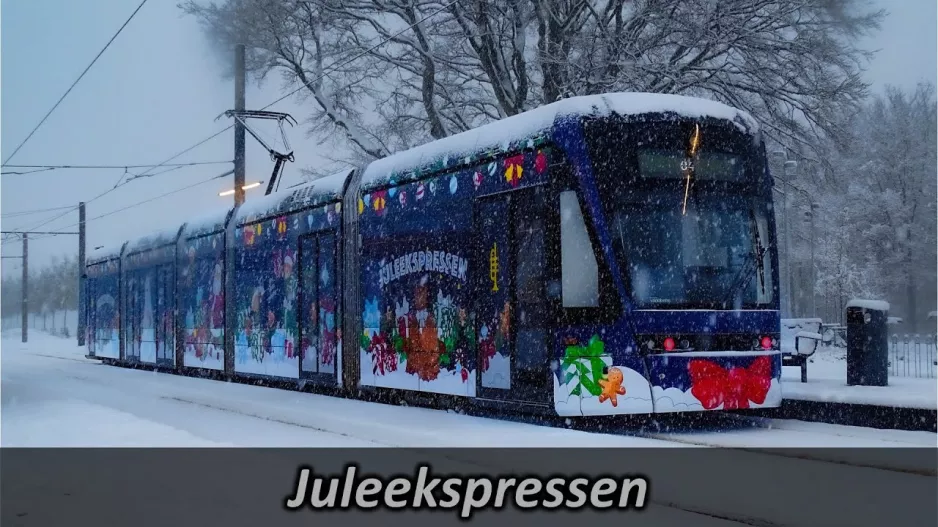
827	383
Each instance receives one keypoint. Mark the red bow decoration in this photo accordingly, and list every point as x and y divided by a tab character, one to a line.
513	169
540	162
712	384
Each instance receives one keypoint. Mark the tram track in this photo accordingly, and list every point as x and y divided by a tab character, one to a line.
817	443
733	431
441	438
488	467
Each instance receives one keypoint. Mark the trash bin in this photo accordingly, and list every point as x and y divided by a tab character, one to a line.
867	343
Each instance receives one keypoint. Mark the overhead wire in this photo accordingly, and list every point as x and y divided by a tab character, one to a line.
326	71
62	98
35	211
154	198
119	183
29	171
110	167
56	105
187	150
187	187
329	69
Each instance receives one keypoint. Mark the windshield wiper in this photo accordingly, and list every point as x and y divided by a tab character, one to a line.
757	263
760	250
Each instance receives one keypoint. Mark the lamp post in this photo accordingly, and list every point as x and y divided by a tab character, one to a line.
791	169
779	157
809	218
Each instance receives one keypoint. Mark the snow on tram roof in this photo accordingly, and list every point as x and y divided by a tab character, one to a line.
207	223
153	240
105	252
501	133
317	192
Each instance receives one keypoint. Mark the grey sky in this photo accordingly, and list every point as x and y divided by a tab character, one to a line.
157	91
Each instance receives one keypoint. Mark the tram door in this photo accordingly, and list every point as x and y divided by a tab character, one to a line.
511	301
131	326
318	307
165	331
91	323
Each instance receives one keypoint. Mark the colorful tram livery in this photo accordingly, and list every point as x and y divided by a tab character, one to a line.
601	255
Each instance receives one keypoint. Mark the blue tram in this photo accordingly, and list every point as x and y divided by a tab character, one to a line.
610	254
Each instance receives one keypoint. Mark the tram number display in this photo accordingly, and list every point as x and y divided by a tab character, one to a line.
712	166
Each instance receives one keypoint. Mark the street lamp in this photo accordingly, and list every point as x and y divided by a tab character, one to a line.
791	169
809	218
249	186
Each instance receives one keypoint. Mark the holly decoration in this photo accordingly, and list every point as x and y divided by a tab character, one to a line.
585	365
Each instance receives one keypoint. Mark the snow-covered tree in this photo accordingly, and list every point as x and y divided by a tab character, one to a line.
892	180
51	287
388	74
876	226
842	273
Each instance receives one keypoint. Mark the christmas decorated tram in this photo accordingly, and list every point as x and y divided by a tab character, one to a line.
609	254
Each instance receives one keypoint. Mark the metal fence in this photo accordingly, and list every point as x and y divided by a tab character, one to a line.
63	323
913	356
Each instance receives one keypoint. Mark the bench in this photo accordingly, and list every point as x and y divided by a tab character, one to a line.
799	340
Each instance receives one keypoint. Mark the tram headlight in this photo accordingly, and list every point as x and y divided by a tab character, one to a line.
766	343
669	344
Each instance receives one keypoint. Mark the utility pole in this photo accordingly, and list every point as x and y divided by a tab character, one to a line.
25	307
25	258
239	161
82	311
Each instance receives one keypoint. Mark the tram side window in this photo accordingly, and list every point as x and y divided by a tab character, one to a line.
579	269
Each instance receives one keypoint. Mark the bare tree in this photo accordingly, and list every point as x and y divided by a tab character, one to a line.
390	74
297	38
791	63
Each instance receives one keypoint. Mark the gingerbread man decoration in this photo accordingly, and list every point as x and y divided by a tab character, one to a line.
612	386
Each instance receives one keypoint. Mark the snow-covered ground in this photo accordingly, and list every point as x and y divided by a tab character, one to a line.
827	382
53	396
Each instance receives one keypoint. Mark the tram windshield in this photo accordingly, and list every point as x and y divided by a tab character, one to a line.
689	228
714	255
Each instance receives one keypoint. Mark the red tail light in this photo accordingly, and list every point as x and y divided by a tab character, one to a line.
669	344
766	343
